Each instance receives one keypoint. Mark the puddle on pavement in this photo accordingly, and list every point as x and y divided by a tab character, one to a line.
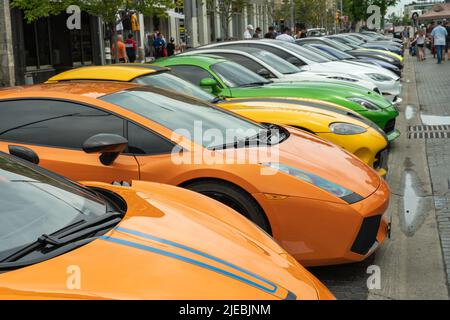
409	112
412	209
431	120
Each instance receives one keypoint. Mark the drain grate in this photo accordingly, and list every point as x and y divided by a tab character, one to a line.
429	132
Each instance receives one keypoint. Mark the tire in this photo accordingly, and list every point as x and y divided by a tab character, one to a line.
234	197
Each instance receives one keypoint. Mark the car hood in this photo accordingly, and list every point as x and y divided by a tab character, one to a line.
173	244
331	92
350	67
297	109
329	77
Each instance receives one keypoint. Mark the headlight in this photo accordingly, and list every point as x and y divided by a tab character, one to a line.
331	187
365	103
379	77
346	128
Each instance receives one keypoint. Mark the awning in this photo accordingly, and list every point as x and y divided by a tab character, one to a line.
439	11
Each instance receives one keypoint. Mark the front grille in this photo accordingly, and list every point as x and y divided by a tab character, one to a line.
367	235
390	126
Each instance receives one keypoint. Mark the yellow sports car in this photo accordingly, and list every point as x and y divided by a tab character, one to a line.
332	122
339	125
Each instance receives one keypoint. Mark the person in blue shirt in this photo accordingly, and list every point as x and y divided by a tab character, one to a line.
439	35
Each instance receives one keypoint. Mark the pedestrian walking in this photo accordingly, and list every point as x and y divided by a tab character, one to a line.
257	34
285	36
131	48
420	43
120	53
271	34
248	33
439	35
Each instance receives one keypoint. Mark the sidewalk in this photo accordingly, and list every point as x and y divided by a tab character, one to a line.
433	87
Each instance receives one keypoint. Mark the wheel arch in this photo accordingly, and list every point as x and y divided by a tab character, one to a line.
186	183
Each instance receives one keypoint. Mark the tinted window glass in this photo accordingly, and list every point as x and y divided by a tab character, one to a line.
143	141
171	82
234	75
243	61
54	123
276	62
192	74
280	53
187	116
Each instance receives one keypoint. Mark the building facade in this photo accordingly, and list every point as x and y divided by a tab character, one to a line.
33	52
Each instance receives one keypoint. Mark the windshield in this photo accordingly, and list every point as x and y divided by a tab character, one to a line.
33	203
168	81
321	53
354	40
341	55
276	62
303	52
186	116
234	75
336	44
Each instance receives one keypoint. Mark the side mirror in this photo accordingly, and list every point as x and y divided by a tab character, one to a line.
24	153
264	73
210	83
110	146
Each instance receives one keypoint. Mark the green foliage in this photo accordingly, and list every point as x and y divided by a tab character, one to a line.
35	9
106	9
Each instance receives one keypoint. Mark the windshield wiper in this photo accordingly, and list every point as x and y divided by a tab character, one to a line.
68	234
216	100
261	138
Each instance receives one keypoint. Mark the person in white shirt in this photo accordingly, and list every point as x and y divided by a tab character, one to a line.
439	35
248	33
285	36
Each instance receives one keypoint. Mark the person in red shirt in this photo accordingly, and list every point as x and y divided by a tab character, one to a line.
131	47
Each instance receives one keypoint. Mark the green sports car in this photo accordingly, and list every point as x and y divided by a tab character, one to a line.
228	79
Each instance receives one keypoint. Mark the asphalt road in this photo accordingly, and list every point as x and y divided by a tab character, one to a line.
415	262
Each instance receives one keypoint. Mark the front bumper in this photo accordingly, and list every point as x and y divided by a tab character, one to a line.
323	233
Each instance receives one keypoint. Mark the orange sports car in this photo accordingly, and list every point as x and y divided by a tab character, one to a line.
321	203
63	240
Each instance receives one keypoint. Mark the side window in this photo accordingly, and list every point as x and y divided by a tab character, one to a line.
281	53
243	61
54	123
142	141
192	74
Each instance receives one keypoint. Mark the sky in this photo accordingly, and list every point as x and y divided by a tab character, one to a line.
398	9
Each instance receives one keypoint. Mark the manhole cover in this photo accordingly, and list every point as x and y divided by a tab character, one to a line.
429	132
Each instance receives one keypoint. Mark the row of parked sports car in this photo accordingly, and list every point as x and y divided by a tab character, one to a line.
167	217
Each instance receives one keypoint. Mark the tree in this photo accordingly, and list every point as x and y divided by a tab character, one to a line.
35	9
226	9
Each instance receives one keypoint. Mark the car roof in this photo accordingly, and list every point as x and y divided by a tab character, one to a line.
93	89
118	72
